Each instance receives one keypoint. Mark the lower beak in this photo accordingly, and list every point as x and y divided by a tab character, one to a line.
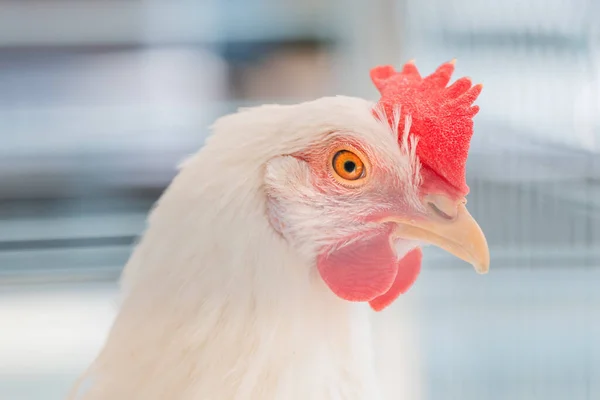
460	236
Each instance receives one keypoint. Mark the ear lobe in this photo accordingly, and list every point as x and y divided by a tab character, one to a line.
283	171
283	182
273	213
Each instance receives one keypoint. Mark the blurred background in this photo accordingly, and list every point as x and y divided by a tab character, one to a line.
100	100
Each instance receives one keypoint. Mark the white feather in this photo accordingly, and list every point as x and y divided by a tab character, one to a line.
216	304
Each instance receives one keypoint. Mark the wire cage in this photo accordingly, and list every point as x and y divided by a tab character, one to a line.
533	173
100	102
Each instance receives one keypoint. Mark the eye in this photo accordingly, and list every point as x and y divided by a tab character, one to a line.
348	165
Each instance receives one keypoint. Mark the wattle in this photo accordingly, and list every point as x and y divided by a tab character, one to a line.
368	270
408	271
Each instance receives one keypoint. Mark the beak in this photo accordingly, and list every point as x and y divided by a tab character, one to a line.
461	236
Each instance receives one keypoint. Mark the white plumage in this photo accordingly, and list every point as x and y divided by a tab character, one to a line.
219	305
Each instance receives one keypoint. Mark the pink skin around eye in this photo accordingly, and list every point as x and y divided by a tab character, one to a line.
367	269
319	158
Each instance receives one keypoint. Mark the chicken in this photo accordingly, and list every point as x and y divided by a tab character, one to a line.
252	277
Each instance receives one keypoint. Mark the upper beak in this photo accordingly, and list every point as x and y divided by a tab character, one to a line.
460	236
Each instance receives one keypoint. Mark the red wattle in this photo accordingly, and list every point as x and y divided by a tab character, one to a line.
408	271
368	270
362	270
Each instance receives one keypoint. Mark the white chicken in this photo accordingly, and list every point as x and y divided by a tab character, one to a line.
251	279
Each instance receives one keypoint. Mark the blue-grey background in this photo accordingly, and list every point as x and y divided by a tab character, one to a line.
99	101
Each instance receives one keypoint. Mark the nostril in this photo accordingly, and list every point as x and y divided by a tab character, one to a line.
439	212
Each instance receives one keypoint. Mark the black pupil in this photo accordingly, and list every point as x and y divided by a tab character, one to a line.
349	166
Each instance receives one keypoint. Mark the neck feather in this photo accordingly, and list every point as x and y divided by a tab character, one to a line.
217	305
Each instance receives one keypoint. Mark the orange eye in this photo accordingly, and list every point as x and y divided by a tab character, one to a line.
348	165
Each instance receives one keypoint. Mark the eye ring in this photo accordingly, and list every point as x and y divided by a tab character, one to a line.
348	166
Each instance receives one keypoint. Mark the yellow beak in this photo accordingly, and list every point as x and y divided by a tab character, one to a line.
461	236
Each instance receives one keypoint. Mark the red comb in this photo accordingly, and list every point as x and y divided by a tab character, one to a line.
442	117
